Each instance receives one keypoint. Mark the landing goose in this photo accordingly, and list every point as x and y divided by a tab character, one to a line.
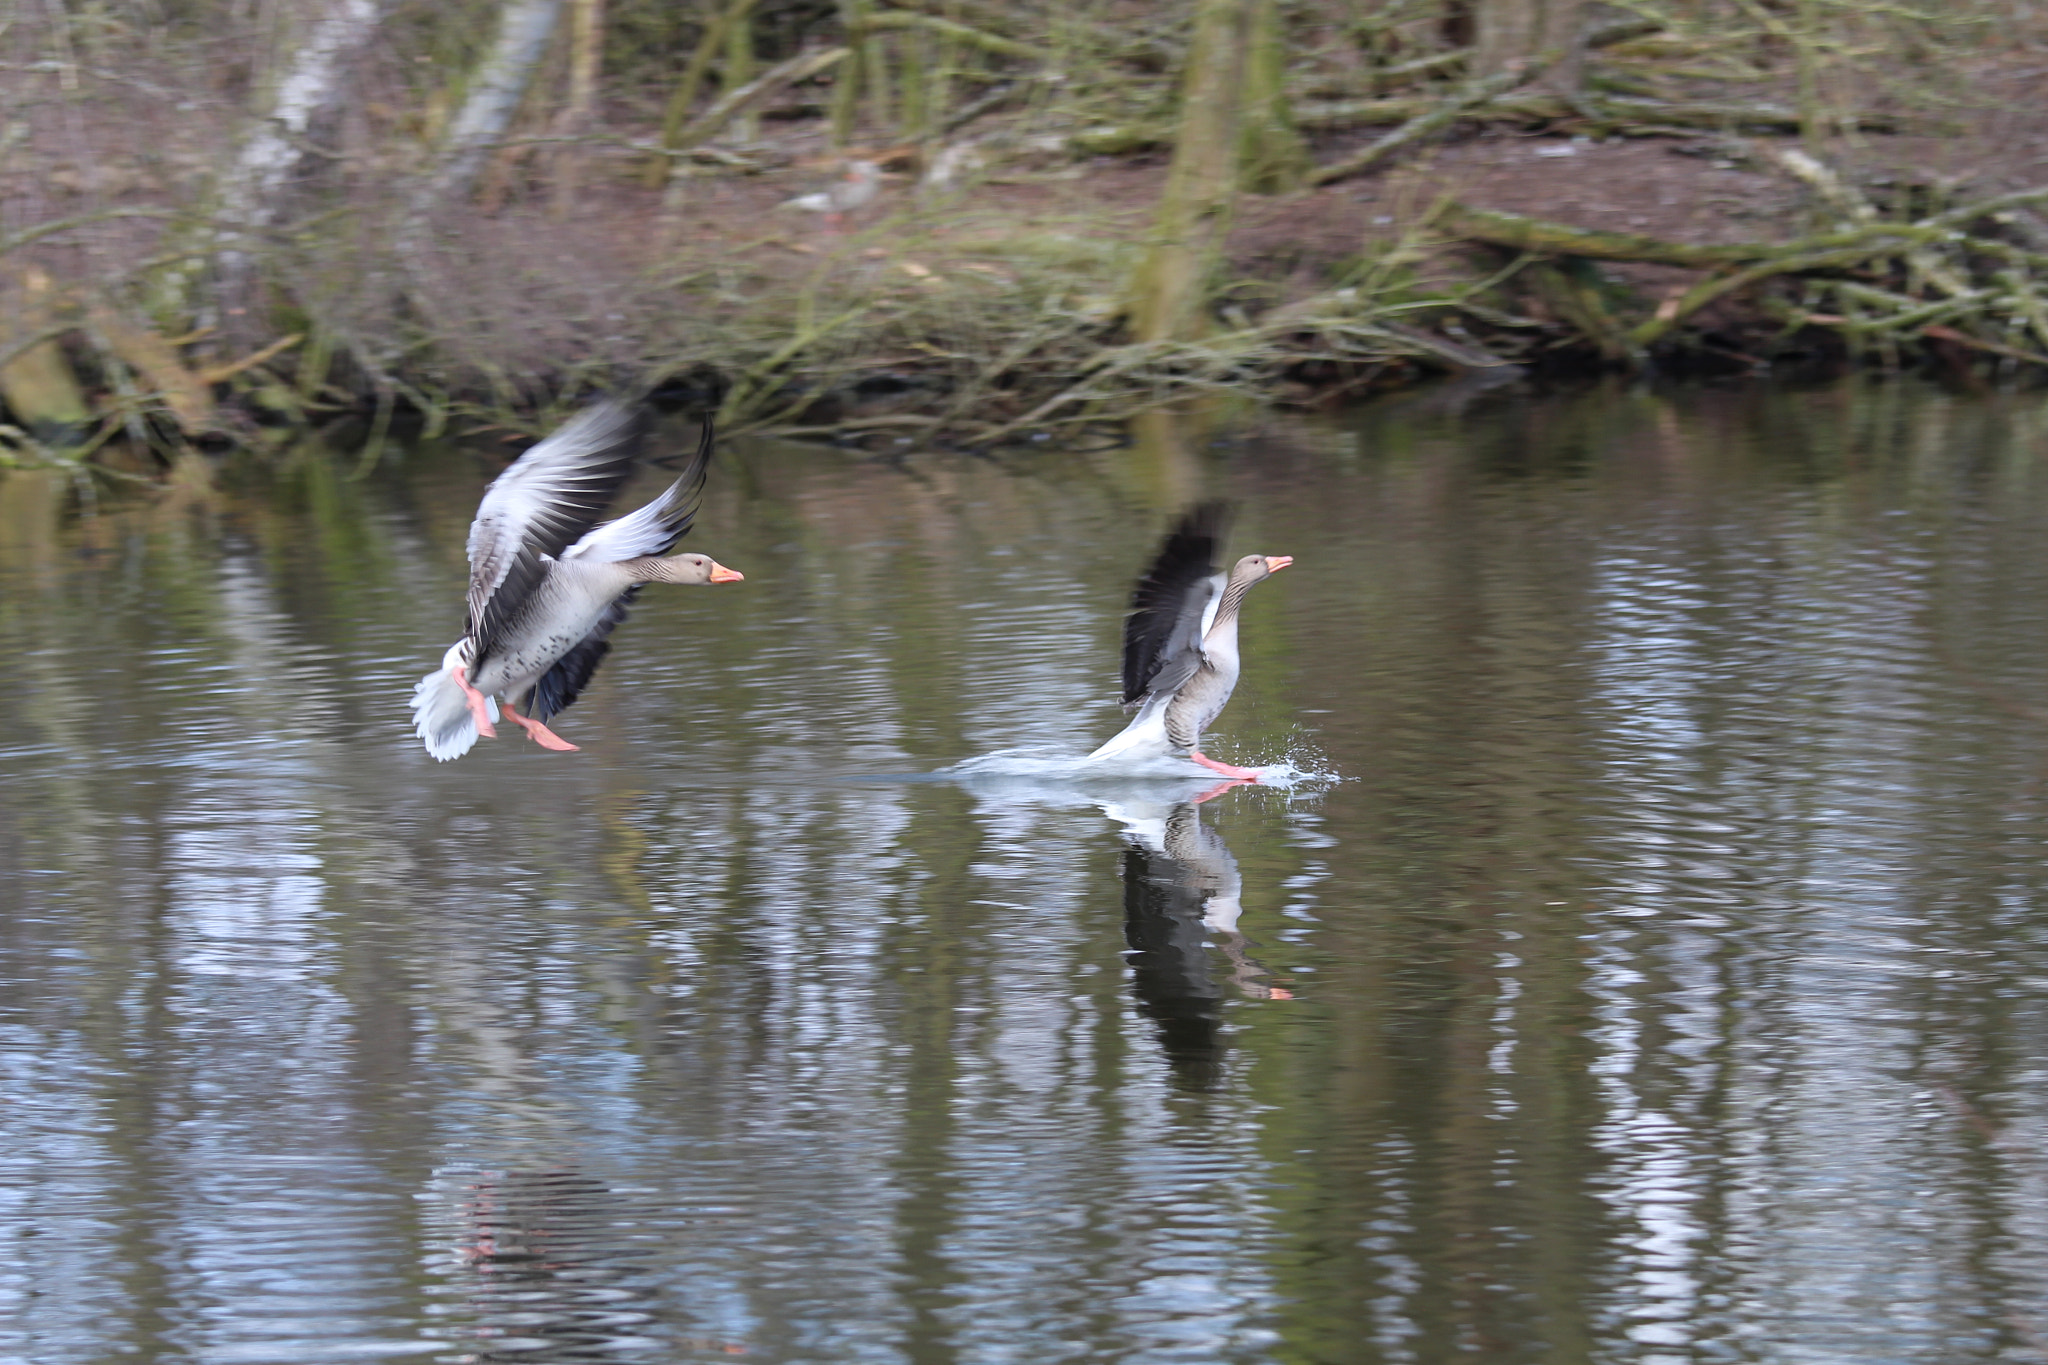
548	584
1180	642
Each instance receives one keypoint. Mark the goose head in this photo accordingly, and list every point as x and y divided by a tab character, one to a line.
1252	568
695	570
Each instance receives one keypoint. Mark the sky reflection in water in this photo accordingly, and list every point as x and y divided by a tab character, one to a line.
1662	982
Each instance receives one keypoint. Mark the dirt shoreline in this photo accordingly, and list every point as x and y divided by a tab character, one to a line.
978	312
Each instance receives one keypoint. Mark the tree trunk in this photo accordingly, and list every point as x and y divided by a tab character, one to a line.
739	69
853	15
586	52
1274	157
495	90
1517	30
1168	292
251	187
678	111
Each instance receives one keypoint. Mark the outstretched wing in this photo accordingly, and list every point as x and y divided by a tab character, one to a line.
1163	633
550	497
652	530
565	682
655	528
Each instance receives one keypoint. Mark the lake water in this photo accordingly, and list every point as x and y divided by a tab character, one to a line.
1657	973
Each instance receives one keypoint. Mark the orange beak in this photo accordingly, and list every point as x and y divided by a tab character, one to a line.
1274	564
721	574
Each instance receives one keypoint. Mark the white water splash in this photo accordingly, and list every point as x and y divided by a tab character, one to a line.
1063	767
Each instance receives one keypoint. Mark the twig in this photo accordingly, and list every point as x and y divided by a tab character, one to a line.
9	354
1704	293
685	94
1447	113
215	374
897	20
735	102
41	230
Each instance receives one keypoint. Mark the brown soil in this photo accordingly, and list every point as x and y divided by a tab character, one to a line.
614	280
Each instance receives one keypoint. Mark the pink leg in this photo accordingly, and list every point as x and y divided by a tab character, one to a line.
477	706
1242	774
540	734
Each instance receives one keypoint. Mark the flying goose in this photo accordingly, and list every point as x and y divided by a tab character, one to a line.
1180	642
547	584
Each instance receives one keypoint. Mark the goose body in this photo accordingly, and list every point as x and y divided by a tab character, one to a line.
1181	660
548	584
855	187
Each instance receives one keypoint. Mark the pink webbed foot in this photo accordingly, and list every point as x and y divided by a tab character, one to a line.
478	707
540	734
1241	774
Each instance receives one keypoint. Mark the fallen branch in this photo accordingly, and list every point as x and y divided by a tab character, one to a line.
155	358
216	373
1964	215
1539	236
1118	139
41	230
1447	113
1978	343
1627	115
23	345
733	103
713	40
1520	233
1534	107
1700	295
1378	78
1744	118
898	20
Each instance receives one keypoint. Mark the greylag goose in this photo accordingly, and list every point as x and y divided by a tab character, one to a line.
547	584
1180	642
854	188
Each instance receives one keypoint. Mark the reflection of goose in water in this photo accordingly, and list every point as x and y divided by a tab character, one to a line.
551	1262
1180	642
1181	896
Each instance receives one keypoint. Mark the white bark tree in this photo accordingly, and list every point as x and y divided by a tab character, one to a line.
250	191
525	27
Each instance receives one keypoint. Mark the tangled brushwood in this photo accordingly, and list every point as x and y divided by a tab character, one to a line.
968	221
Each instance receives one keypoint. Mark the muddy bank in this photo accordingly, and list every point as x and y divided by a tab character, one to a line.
1437	219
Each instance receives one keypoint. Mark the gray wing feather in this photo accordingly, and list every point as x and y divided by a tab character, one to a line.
1181	657
549	497
1163	633
655	528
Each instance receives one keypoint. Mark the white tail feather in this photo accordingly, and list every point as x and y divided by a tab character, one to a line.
441	717
1146	734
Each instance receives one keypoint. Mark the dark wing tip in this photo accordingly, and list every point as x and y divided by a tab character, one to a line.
1187	553
1159	601
688	489
1211	519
